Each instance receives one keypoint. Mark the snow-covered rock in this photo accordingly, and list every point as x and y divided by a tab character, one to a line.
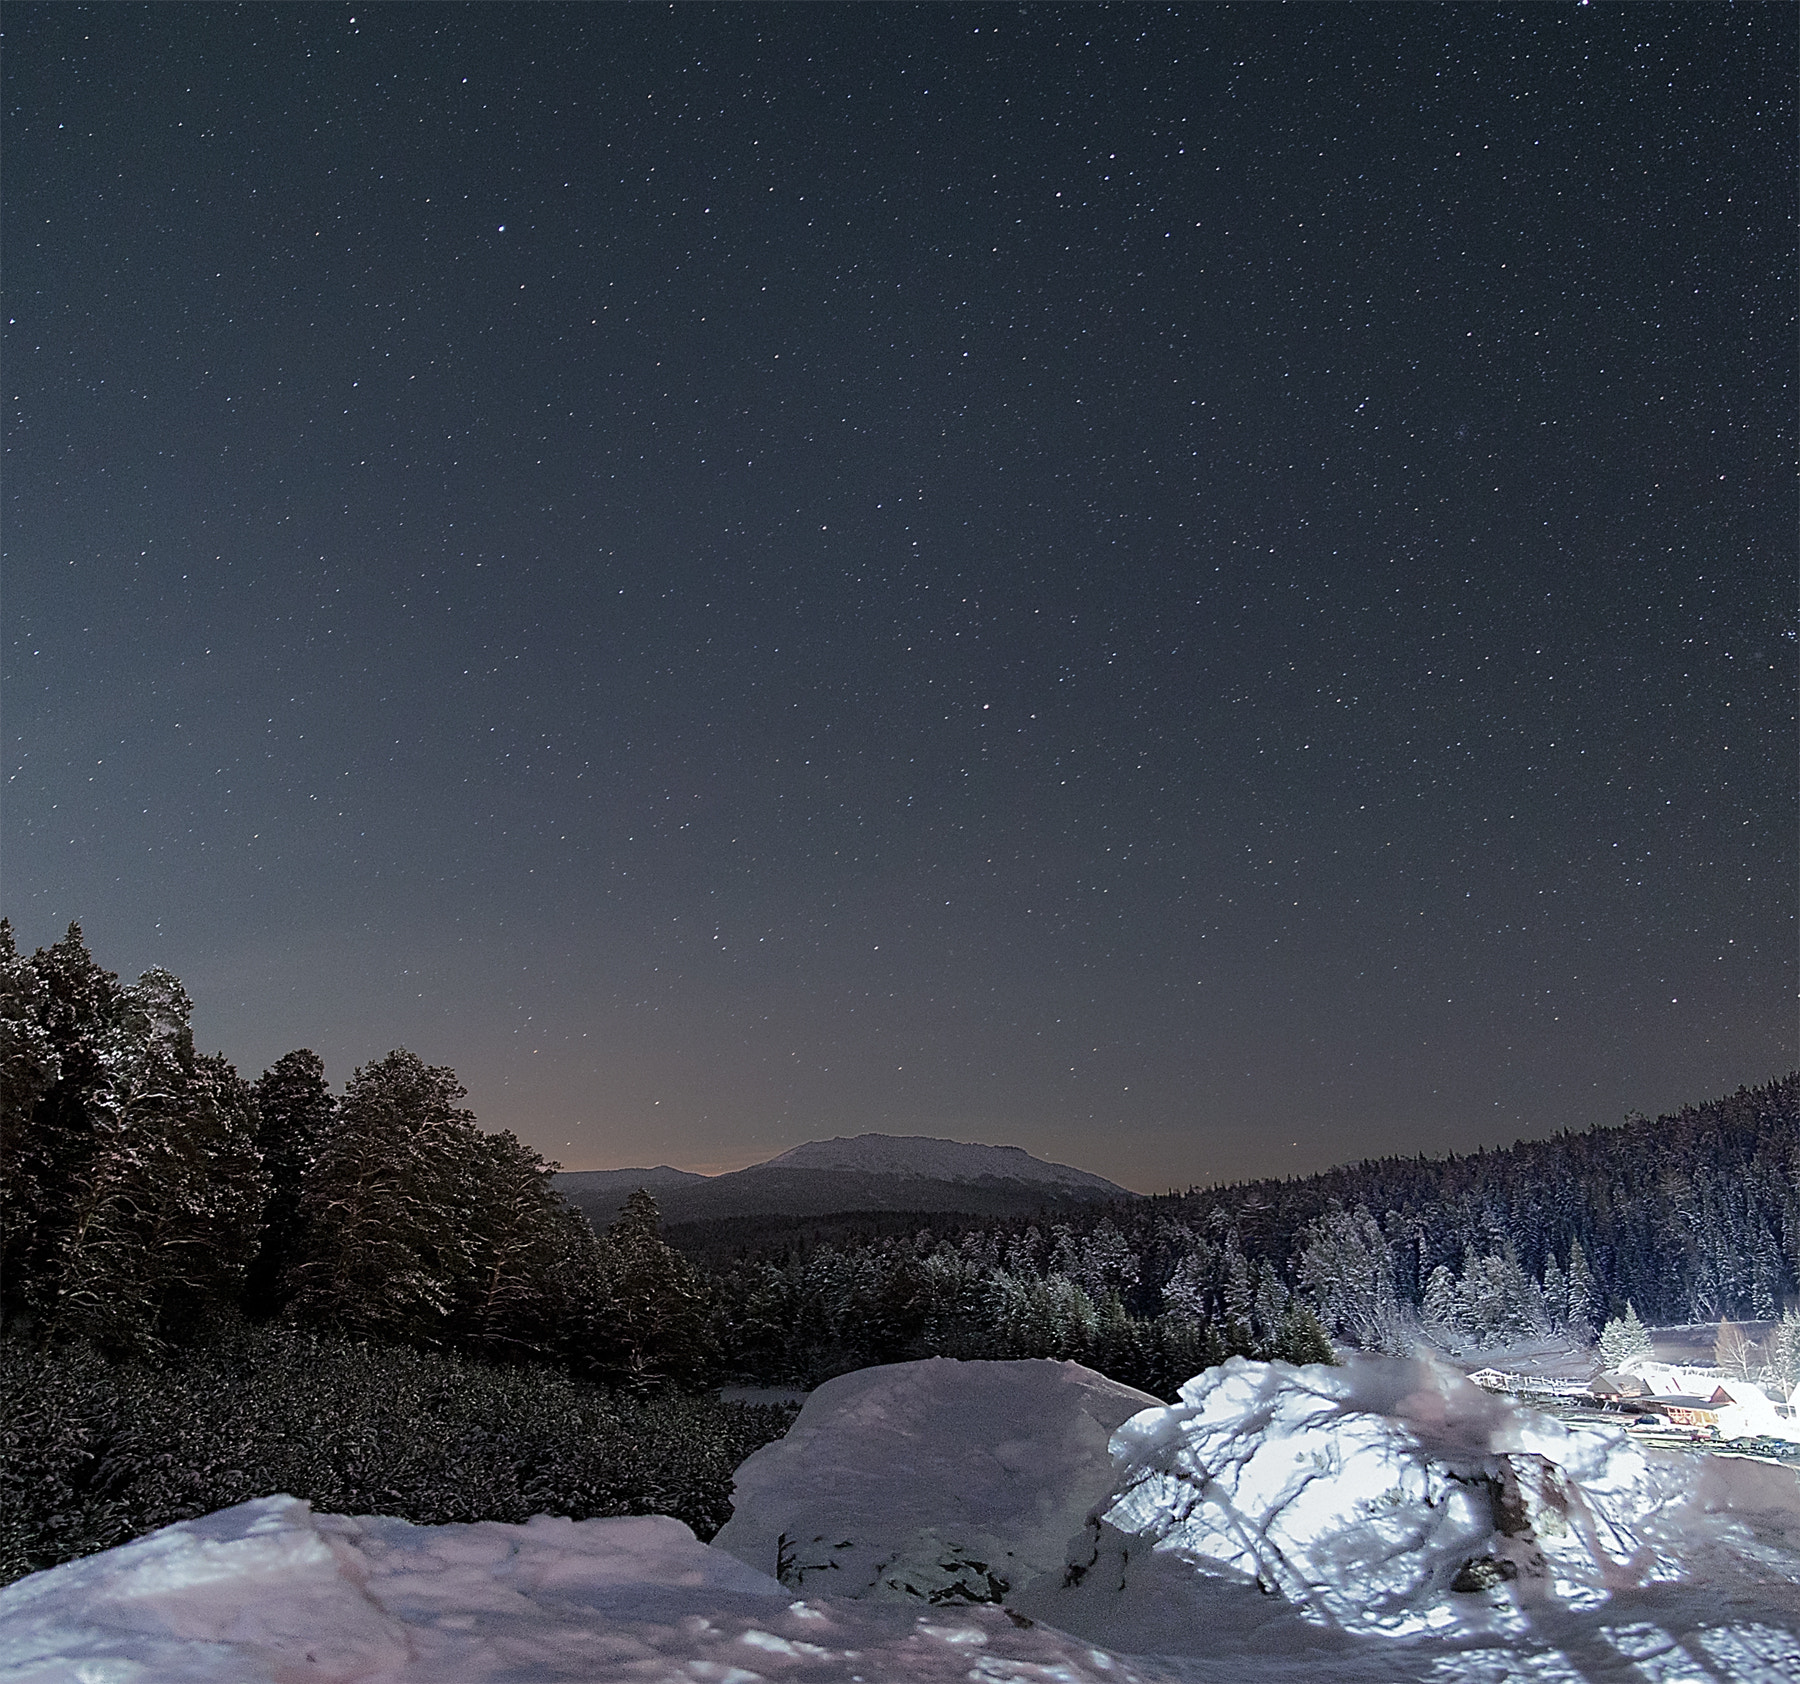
1395	1496
933	1482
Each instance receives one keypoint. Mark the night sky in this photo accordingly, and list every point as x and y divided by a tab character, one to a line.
1207	592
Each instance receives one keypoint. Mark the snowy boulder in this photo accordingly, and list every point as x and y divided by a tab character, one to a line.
935	1482
1391	1496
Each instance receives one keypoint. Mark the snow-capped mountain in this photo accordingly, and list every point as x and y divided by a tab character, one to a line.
937	1160
863	1172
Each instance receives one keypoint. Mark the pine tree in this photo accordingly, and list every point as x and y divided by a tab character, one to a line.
29	1062
383	1249
57	1005
529	1254
232	1192
298	1112
653	1317
166	1205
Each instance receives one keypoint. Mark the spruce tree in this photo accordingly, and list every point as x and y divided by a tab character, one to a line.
1441	1309
1556	1294
1622	1339
1584	1296
1301	1340
1346	1264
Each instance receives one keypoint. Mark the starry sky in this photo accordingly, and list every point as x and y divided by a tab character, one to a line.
1205	591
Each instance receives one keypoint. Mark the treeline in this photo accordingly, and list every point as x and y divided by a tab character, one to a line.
217	1289
150	1191
152	1194
806	1315
1693	1217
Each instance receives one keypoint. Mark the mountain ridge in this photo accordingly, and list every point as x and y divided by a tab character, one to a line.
934	1159
846	1173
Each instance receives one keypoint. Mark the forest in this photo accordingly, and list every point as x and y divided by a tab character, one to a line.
171	1229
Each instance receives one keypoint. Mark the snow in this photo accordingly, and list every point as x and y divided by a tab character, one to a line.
271	1593
1127	1539
931	1481
1751	1412
936	1160
1398	1497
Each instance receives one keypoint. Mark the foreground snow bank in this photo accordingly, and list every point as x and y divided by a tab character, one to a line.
1396	1497
1383	1523
271	1593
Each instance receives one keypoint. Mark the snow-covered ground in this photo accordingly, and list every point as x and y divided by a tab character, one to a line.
1381	1522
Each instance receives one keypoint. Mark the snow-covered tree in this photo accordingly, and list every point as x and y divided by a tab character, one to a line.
297	1111
652	1317
1300	1339
1496	1301
1346	1266
1269	1319
1555	1294
166	1201
1783	1349
1622	1339
1188	1292
1439	1308
382	1250
531	1257
1584	1297
56	1005
1732	1351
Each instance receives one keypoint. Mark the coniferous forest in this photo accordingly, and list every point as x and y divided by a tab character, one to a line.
215	1288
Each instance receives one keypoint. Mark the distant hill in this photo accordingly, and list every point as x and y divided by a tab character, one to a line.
938	1160
868	1172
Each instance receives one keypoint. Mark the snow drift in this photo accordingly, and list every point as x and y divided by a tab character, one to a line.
270	1593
